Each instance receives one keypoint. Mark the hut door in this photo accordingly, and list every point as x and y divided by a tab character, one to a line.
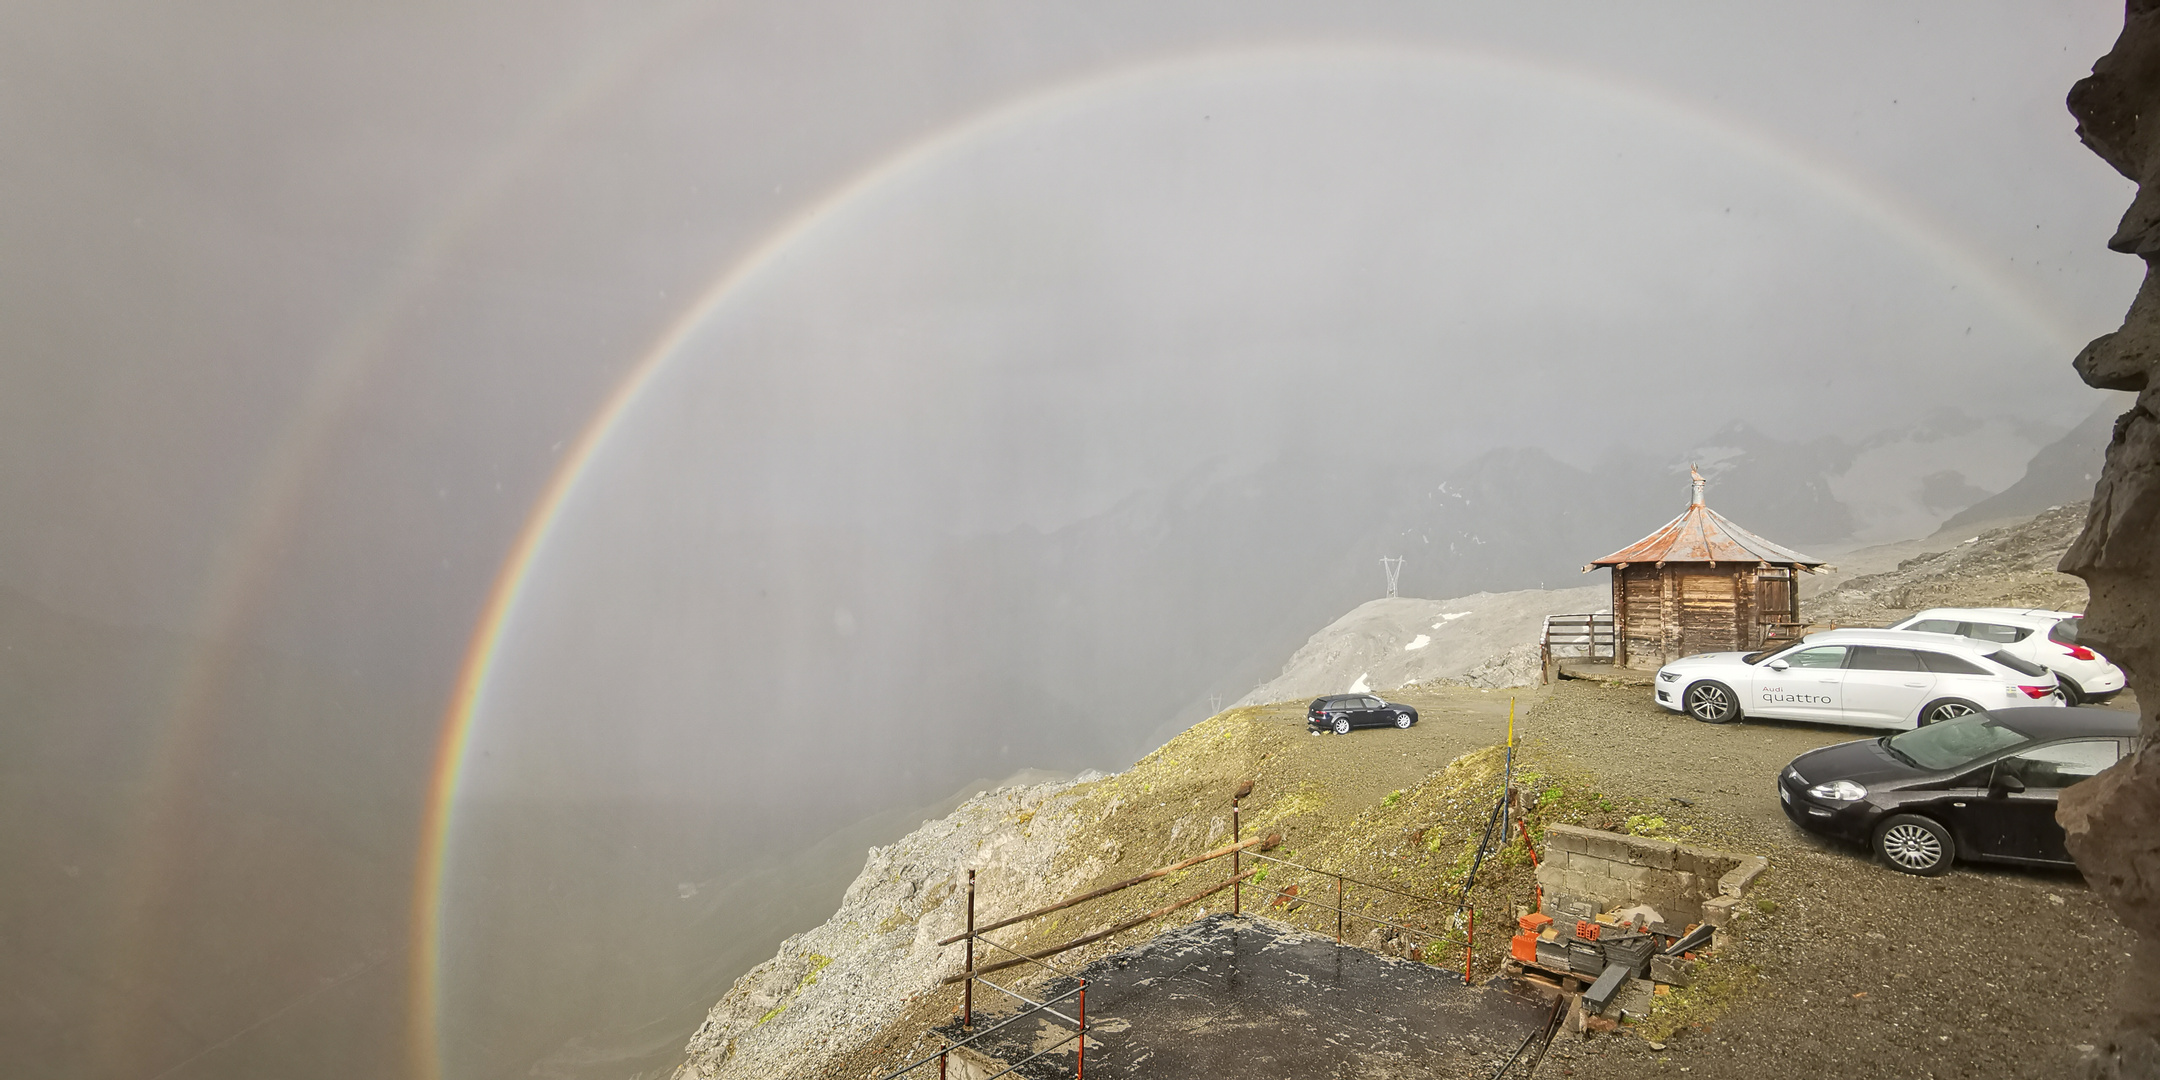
1776	608
1710	612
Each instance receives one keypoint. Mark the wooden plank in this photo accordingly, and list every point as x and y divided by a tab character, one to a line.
1669	645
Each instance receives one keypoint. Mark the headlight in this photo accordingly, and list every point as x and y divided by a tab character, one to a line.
1839	791
1668	676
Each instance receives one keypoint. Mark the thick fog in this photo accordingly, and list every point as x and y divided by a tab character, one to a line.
744	428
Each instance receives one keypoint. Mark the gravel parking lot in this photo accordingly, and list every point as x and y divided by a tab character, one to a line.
1846	968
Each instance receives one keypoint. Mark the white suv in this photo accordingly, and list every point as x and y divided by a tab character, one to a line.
1868	678
2047	638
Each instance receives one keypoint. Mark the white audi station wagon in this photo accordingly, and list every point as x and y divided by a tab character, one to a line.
1893	679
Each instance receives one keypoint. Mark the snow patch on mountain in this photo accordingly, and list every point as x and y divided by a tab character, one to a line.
1396	641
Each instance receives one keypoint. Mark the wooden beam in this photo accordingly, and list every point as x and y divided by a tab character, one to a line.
1097	935
1265	843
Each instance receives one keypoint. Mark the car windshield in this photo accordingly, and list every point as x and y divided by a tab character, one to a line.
1954	743
1759	657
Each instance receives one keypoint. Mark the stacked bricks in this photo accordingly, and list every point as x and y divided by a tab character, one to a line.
1605	870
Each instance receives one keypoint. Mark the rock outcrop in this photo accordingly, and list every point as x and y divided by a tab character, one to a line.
2013	566
2113	821
833	987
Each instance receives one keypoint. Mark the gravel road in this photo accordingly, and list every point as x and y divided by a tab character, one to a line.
1858	971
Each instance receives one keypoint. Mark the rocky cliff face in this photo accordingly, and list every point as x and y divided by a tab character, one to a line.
2114	821
833	987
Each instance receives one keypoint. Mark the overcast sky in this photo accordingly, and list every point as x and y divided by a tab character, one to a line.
302	299
303	308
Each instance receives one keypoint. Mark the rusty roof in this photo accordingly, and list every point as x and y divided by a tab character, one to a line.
1701	534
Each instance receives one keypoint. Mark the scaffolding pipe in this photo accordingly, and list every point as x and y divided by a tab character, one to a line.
1080	1060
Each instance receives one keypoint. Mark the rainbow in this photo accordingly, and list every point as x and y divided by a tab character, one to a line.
240	573
1909	226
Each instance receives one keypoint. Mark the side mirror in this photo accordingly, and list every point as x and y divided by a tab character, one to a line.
2006	783
1777	665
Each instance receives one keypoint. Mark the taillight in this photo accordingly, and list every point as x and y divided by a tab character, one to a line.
2037	691
2081	652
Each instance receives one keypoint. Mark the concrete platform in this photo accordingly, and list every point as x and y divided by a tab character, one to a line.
1235	997
1604	671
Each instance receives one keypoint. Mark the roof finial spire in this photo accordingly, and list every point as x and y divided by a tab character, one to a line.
1698	484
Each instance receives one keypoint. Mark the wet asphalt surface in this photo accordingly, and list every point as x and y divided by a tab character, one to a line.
1236	998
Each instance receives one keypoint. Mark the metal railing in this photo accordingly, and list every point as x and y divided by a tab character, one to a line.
973	972
1464	917
1291	900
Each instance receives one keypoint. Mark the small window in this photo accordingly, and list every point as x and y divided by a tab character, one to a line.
1946	664
1934	626
1995	632
2062	764
2065	631
1821	656
1876	658
2018	664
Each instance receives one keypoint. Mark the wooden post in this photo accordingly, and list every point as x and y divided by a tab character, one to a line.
1237	834
1338	908
967	994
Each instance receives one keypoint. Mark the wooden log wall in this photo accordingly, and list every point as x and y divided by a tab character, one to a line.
1662	614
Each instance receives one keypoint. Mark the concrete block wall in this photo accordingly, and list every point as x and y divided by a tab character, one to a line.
1684	884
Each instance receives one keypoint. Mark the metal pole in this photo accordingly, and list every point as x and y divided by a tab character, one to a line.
1080	1060
1507	781
967	994
1237	836
1469	944
1338	909
1537	891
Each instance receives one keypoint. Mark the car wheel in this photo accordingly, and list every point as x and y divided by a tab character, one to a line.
1913	844
1712	703
1946	709
1342	725
1402	720
2072	693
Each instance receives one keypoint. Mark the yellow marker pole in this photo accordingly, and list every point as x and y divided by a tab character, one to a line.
1507	782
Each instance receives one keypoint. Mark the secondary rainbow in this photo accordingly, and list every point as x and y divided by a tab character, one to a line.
1910	226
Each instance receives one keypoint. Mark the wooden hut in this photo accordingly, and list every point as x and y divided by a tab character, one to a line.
1701	584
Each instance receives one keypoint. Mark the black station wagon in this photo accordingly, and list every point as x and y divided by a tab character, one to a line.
1342	712
1981	786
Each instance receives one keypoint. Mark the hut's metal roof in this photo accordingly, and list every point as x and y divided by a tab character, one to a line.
1703	535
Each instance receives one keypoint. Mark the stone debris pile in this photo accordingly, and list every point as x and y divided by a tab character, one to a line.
1620	917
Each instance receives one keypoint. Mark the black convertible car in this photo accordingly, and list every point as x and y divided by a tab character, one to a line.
1342	712
1981	786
